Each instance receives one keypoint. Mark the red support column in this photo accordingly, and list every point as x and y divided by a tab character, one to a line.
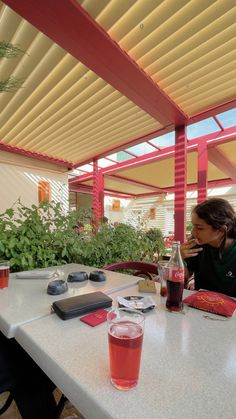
98	194
180	182
202	171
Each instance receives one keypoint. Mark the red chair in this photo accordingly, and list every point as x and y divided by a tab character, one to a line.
143	269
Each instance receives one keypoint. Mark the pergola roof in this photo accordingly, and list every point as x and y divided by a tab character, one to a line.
101	75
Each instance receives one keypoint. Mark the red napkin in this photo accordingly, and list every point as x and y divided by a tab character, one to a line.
213	302
95	318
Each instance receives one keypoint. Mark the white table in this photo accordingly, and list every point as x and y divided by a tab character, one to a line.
26	299
188	365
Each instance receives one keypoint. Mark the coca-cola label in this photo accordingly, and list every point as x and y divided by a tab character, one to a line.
175	275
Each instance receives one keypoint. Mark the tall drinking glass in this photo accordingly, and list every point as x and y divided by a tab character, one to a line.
162	271
4	273
125	336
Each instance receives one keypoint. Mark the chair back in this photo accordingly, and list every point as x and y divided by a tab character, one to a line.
144	269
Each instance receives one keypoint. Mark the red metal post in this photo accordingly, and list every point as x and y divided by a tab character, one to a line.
180	182
98	194
202	171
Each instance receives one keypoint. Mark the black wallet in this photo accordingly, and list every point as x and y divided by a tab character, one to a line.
81	304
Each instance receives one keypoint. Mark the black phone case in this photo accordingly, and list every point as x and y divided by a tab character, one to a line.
81	304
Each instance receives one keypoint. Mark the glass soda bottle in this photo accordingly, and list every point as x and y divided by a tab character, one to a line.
175	279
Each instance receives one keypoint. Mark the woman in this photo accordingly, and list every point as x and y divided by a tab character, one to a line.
211	252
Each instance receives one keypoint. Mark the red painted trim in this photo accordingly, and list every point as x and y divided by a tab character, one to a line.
153	145
106	193
33	155
148	194
119	195
71	27
202	171
218	123
223	107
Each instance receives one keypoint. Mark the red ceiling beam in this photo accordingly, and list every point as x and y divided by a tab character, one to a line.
107	192
33	155
71	27
218	158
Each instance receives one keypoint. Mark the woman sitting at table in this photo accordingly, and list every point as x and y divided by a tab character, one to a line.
211	252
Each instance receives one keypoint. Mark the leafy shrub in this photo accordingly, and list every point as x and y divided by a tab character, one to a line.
43	236
157	241
114	244
36	237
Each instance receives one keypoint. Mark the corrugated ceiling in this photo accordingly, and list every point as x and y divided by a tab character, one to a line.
66	111
186	46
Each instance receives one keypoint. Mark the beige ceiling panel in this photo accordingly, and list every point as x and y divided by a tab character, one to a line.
214	173
125	187
159	173
229	150
204	77
185	46
66	111
214	98
121	187
9	22
135	127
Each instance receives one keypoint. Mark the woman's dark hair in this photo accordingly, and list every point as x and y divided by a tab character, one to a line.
219	214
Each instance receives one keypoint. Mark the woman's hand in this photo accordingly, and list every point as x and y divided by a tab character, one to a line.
188	249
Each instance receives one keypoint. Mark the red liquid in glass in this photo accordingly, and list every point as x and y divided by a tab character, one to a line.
4	276
175	295
163	291
125	344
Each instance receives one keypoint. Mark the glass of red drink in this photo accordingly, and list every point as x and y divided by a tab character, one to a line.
4	273
125	336
162	271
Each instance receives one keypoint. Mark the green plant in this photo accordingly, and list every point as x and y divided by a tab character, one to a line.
112	244
157	241
189	227
10	84
42	236
36	237
9	50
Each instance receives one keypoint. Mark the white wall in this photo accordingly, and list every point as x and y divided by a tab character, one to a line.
19	178
165	208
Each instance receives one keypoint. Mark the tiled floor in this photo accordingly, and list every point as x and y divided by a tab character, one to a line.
13	413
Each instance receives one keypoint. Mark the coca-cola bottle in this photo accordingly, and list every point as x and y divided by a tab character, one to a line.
175	279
